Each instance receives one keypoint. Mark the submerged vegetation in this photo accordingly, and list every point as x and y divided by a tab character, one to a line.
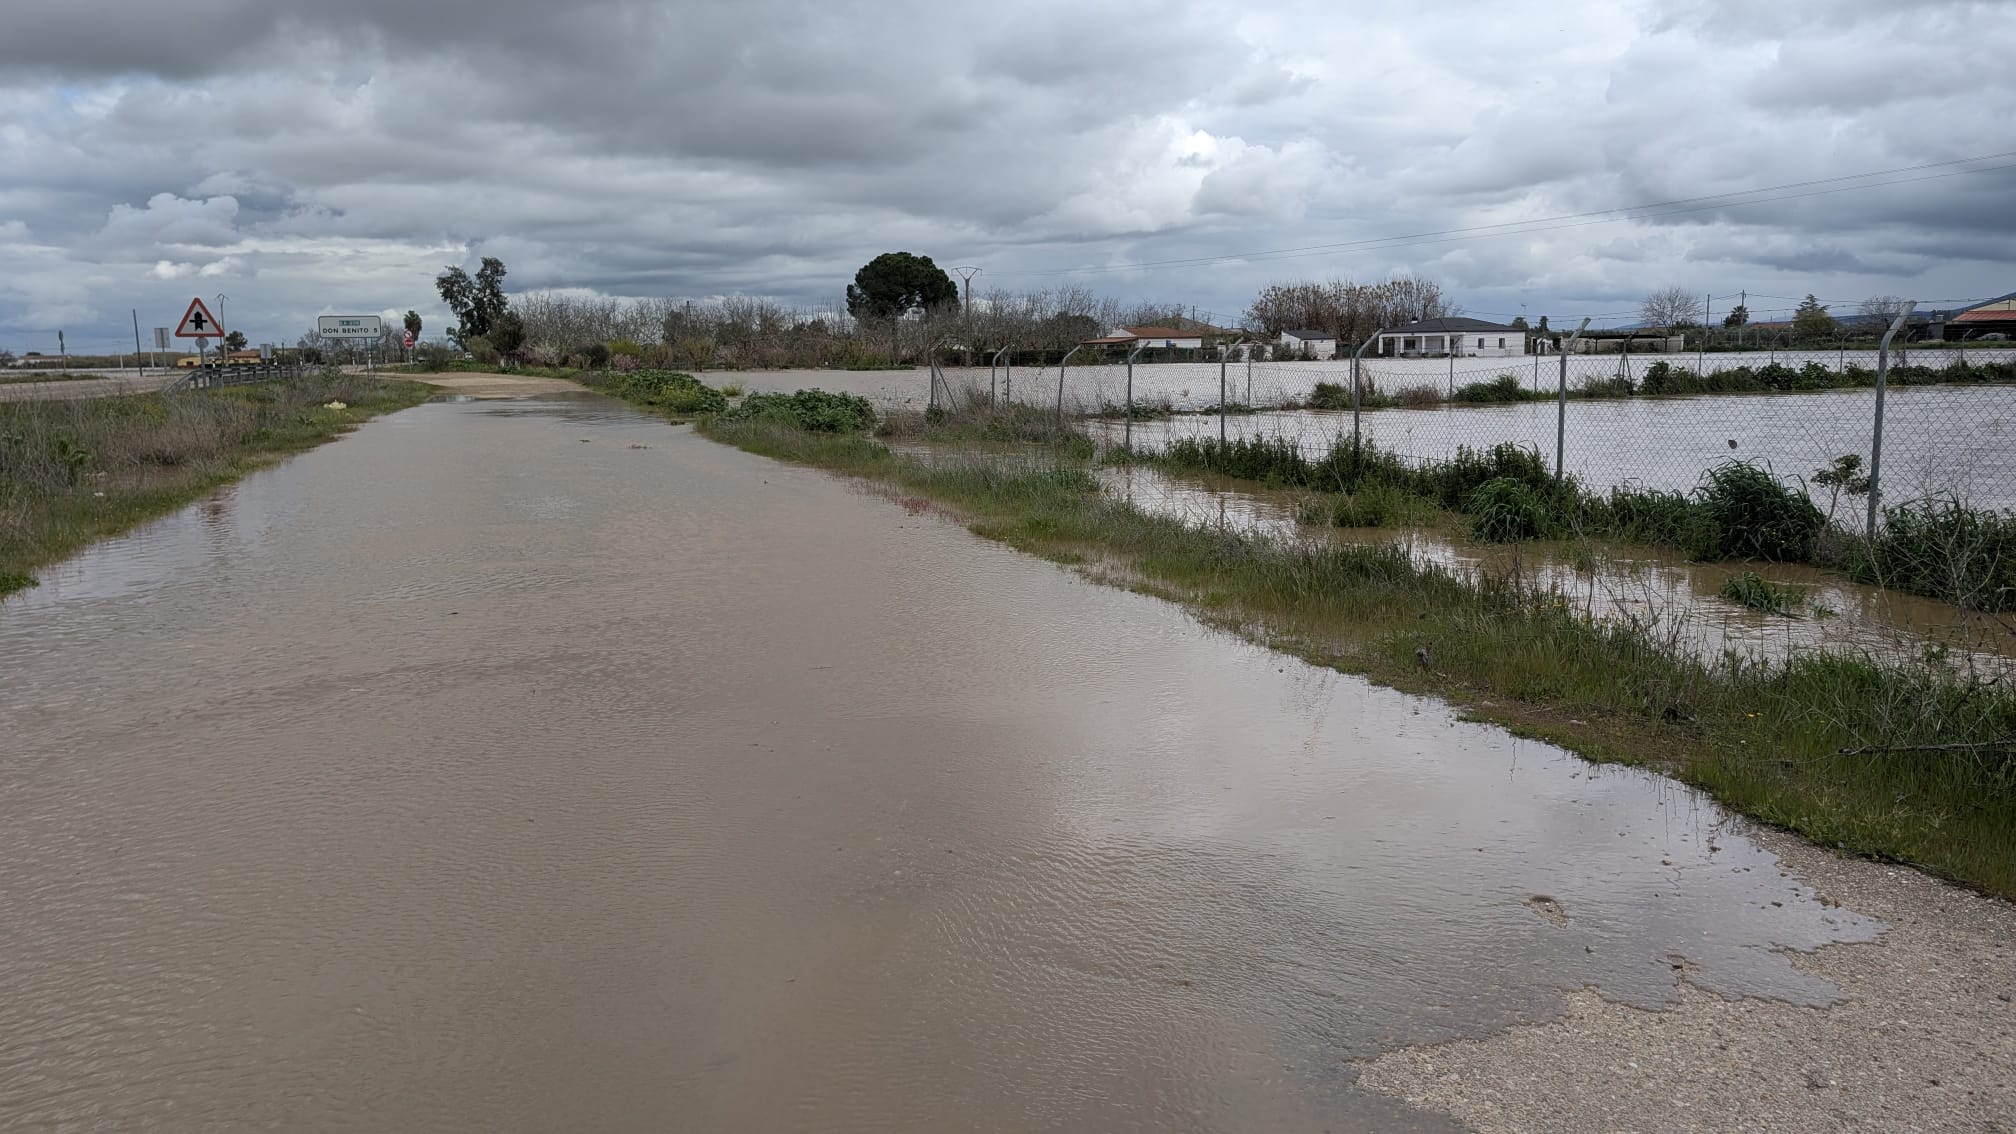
1939	548
1914	759
74	471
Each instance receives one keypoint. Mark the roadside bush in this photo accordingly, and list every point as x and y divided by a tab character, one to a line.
1504	509
1756	516
815	411
1944	549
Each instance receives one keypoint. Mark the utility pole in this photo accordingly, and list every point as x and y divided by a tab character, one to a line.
967	272
139	363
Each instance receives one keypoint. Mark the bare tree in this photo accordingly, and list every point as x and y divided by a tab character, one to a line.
1671	307
1882	308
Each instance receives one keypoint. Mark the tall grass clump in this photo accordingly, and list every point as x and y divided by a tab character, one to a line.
1758	593
1756	516
1947	550
1504	388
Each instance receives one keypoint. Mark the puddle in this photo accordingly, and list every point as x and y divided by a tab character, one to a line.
534	765
1656	586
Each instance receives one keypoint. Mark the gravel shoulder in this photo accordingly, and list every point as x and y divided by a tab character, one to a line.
1924	1040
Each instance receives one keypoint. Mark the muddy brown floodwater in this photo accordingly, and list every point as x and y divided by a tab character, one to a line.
538	766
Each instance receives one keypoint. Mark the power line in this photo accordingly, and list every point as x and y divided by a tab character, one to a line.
1572	220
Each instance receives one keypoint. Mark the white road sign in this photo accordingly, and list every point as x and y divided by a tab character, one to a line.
346	326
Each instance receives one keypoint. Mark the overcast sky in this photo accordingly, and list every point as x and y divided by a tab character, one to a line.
305	158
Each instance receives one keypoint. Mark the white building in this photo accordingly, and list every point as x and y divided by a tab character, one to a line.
1318	344
1166	338
1470	338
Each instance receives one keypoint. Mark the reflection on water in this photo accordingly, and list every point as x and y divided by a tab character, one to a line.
538	766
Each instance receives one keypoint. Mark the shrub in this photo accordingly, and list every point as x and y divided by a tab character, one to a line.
1504	509
1756	516
1330	396
1453	483
1504	388
668	390
1663	377
815	411
1418	397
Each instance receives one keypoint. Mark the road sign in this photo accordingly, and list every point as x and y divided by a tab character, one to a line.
198	323
350	326
409	340
161	338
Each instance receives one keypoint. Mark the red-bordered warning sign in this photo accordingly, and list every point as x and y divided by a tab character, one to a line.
198	323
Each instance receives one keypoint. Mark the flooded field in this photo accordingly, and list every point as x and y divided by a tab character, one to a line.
1657	586
1937	439
536	766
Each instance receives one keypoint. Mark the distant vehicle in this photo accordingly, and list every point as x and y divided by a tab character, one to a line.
1995	337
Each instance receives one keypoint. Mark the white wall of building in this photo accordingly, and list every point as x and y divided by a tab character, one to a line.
1467	344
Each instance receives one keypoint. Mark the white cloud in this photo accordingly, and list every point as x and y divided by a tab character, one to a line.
773	146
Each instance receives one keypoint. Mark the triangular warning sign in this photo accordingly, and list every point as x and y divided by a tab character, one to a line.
198	323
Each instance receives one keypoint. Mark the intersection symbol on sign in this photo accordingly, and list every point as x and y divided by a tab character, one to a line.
198	323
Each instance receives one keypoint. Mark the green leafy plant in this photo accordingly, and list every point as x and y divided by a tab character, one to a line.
1756	516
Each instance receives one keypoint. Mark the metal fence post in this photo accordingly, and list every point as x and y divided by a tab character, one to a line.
1060	378
1129	435
992	363
1876	440
1356	386
1561	403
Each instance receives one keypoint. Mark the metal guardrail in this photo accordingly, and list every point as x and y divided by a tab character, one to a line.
212	377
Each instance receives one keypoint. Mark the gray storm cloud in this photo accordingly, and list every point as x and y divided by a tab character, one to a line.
307	158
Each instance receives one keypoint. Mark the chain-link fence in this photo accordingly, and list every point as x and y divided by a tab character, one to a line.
1949	418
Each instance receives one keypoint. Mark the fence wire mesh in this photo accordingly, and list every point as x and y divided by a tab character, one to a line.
1949	429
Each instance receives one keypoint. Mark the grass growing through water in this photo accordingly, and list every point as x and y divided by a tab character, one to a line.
74	471
1755	591
1911	760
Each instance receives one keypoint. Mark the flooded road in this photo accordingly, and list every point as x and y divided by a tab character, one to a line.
536	765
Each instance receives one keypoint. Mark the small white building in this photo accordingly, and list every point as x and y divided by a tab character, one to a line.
1438	338
1316	344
